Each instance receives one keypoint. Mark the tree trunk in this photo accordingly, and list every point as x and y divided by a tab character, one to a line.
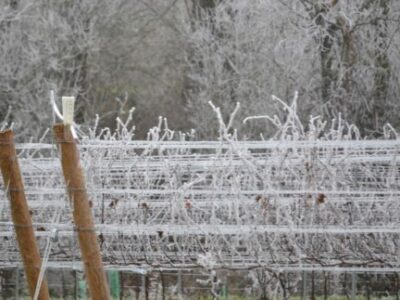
5	29
199	11
329	72
382	63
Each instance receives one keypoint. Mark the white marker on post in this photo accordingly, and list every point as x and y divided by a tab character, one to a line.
68	104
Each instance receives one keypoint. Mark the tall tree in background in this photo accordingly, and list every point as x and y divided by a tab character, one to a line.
355	37
79	15
337	53
226	59
96	50
68	41
47	53
200	13
341	56
382	74
7	21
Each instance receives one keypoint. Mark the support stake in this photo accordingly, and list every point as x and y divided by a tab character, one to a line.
83	219
353	286
20	214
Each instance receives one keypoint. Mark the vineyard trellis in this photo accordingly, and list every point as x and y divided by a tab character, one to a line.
290	205
322	203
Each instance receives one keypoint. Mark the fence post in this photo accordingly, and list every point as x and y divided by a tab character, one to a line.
179	283
304	288
17	283
21	216
353	286
84	225
115	284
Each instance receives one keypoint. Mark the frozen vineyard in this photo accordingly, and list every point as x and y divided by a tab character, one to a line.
292	205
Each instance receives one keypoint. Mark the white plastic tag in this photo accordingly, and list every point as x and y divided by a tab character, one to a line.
68	104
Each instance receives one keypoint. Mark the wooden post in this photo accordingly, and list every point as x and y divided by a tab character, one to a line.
20	214
76	186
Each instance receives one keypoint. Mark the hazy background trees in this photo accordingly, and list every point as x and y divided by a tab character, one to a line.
171	57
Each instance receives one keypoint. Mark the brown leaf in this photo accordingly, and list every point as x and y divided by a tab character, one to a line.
101	238
113	203
321	198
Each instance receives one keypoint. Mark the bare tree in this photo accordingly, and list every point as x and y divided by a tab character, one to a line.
171	58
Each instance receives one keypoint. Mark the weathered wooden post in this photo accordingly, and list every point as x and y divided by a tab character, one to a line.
83	219
20	214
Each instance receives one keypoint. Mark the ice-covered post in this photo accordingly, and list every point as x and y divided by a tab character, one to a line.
21	216
76	187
